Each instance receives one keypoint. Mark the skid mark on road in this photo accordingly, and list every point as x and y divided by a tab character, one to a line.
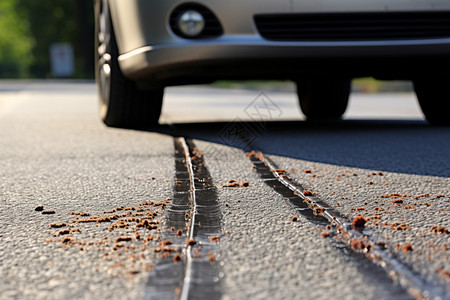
188	268
351	233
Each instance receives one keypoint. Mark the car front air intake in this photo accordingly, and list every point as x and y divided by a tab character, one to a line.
353	26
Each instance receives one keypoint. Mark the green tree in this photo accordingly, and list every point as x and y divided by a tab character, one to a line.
59	21
16	42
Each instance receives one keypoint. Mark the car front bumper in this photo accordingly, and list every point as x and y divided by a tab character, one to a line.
149	50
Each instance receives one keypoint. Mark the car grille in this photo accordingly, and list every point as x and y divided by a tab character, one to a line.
353	26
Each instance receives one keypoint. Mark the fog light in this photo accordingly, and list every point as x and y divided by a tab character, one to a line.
191	23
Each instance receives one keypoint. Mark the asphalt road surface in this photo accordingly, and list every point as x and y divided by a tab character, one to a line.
186	210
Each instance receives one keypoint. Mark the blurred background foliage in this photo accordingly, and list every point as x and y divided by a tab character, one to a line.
29	27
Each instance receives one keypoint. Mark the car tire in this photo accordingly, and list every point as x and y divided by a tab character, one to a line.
122	103
434	99
323	99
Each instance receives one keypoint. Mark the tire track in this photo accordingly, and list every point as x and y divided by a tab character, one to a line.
357	238
192	230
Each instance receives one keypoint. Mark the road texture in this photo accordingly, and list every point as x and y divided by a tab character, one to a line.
86	210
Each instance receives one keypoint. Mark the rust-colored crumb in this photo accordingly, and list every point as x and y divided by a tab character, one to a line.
58	225
39	208
214	238
397	201
328	227
400	226
326	234
359	221
118	246
172	228
359	245
250	154
63	232
394	195
245	184
308	171
191	242
439	196
176	258
232	184
165	243
179	232
66	240
212	258
279	171
48	212
82	214
123	239
439	229
407	248
294	219
308	193
318	211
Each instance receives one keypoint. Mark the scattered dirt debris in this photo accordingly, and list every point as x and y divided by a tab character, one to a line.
407	248
214	238
177	258
58	225
123	239
318	211
439	229
48	212
308	171
397	201
359	221
63	232
212	258
245	184
360	245
39	208
234	183
294	219
125	252
82	214
179	232
250	154
326	234
165	243
394	195
191	242
308	193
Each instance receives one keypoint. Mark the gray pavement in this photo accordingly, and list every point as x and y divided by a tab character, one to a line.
55	153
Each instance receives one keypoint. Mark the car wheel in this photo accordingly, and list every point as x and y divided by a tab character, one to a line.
122	103
323	99
434	99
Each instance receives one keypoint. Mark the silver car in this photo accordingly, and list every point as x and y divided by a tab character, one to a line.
145	45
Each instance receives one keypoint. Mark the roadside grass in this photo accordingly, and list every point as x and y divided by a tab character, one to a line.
360	85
